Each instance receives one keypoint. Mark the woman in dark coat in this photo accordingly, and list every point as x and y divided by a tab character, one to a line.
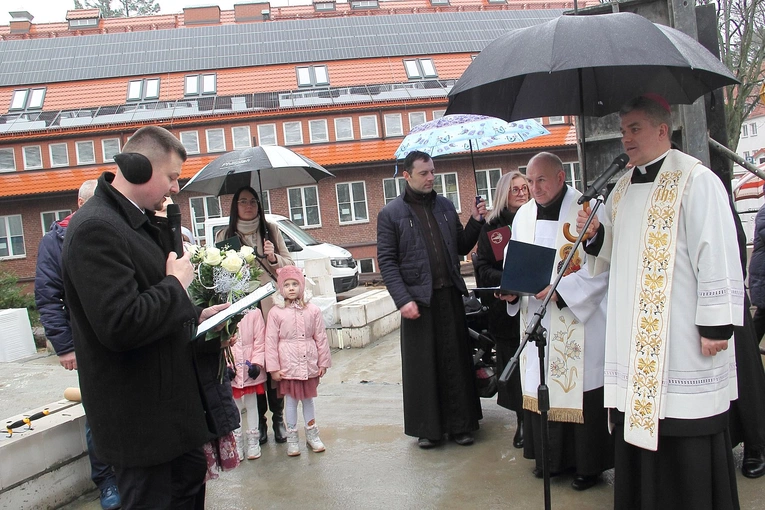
512	192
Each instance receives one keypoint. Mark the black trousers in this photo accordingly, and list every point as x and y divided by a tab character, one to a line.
177	484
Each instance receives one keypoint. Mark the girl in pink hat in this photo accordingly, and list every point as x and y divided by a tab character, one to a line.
297	354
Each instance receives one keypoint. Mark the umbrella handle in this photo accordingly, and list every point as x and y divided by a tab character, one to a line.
571	238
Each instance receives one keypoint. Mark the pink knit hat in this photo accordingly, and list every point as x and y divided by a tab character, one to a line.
290	273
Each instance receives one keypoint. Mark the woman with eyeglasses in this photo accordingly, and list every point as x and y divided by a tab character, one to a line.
512	192
248	223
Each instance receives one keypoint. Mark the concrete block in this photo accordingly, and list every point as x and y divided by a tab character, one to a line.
317	267
45	466
54	439
357	337
366	308
323	285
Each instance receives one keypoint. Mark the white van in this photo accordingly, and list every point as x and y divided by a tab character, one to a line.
302	247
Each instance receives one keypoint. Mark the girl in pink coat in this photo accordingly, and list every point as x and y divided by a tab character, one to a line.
297	354
249	359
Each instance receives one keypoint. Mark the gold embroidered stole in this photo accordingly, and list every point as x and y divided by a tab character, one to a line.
651	312
565	335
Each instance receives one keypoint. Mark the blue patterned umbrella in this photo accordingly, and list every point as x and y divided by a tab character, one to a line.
462	133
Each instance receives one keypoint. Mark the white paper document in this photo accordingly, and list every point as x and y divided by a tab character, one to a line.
249	300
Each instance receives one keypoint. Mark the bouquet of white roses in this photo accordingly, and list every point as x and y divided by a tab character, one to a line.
223	276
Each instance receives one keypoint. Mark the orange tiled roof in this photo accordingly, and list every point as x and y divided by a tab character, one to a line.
329	155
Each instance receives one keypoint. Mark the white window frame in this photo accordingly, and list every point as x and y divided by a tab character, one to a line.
27	166
753	128
571	178
488	172
337	131
57	216
185	135
292	124
353	201
439	183
303	207
197	228
370	259
420	68
744	130
393	117
53	164
313	136
412	123
5	220
265	201
215	131
361	127
311	76
81	161
234	137
400	184
103	149
556	119
9	150
437	114
260	134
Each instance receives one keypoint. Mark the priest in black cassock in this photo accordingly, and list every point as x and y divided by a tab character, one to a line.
419	238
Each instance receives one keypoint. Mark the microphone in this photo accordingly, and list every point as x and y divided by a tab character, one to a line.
174	220
619	163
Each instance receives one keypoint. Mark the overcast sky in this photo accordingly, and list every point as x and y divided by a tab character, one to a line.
46	11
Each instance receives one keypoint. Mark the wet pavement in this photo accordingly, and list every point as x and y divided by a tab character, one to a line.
369	462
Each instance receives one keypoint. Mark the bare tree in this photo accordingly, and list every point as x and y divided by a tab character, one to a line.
741	34
125	8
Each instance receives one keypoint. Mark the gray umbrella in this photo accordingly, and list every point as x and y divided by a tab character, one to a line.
585	65
262	168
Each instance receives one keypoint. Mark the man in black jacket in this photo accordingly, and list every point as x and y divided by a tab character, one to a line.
419	237
132	323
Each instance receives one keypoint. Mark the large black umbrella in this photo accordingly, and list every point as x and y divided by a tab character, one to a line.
262	168
585	65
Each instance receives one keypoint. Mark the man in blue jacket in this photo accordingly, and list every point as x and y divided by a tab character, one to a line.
419	240
49	298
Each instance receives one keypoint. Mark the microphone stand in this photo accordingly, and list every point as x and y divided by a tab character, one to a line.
538	334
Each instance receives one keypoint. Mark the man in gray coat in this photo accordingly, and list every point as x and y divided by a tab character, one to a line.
419	240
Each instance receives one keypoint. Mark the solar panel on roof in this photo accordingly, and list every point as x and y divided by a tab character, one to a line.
32	61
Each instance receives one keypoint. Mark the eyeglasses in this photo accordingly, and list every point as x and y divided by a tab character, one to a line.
517	191
244	202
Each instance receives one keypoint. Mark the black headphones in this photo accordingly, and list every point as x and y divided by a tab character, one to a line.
135	167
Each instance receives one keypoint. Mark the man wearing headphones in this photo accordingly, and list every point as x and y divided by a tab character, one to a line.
132	323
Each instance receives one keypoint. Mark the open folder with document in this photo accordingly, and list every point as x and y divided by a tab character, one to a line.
249	300
527	271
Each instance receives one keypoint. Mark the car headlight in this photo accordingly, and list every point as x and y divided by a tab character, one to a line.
346	262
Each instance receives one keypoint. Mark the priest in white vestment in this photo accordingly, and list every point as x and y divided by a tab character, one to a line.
575	324
676	291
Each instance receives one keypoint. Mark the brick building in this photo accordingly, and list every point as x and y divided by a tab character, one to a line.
341	83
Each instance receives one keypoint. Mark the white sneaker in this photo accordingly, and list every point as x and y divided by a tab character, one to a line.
312	438
253	444
293	447
239	443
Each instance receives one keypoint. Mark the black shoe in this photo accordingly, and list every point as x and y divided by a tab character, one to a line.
263	431
518	438
464	439
537	472
426	443
280	431
754	463
262	425
582	483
